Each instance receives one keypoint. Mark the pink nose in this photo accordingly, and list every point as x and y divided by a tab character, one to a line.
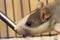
21	31
18	30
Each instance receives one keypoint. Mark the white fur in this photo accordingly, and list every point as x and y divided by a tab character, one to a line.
22	22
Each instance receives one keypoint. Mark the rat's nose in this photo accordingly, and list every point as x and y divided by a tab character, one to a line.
21	31
18	30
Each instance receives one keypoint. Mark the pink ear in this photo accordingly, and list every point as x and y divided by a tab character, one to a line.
44	13
43	16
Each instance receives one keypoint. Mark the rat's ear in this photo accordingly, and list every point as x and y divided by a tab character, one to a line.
40	4
45	13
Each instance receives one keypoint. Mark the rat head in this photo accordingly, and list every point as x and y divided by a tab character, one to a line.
30	24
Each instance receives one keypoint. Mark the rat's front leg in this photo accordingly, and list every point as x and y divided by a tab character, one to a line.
57	29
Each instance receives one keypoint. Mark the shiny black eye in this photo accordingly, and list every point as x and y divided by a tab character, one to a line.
28	24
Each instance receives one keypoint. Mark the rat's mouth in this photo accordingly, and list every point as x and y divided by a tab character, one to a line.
23	32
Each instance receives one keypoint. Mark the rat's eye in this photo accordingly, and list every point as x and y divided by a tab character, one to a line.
28	23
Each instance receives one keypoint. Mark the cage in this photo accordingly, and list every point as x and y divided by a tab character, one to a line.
15	10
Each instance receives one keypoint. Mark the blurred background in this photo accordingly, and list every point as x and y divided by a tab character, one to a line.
16	10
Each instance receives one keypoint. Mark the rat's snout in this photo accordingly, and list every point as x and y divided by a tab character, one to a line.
21	31
21	26
18	30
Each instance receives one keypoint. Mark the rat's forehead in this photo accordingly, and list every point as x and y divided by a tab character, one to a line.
35	14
